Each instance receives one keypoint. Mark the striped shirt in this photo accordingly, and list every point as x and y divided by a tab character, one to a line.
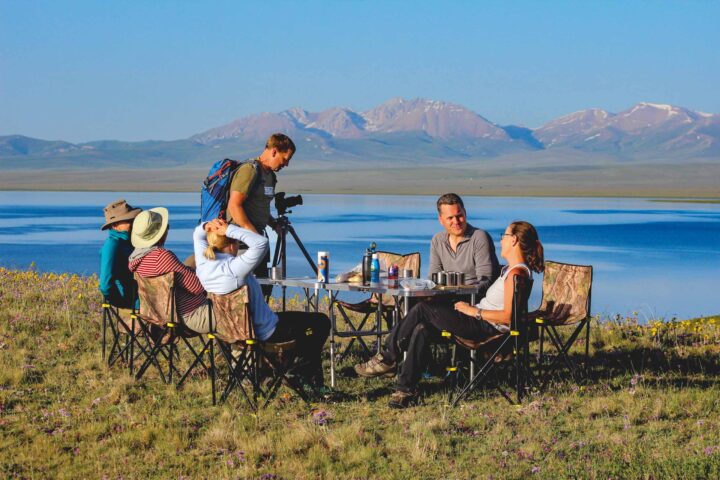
189	292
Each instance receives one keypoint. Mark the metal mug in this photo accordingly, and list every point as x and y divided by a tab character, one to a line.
452	279
434	278
442	278
461	278
408	273
276	273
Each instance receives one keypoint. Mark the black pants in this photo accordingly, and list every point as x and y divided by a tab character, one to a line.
310	330
414	333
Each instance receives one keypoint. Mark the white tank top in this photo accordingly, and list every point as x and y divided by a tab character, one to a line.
495	297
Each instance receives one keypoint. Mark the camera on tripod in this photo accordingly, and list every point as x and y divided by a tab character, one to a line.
282	203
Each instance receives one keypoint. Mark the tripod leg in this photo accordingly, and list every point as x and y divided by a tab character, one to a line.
309	259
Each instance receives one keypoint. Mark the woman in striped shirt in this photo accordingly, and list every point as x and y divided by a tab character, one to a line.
151	259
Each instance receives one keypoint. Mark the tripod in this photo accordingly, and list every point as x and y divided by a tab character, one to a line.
280	255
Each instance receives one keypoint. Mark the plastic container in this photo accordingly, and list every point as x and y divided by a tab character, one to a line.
374	270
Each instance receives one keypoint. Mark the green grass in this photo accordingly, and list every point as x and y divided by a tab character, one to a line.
650	410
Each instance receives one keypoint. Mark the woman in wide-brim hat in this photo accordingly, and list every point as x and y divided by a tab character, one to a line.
116	282
149	227
151	259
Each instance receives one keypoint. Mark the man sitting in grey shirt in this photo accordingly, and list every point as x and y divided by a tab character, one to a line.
462	247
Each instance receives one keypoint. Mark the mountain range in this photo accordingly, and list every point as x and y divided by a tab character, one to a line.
403	133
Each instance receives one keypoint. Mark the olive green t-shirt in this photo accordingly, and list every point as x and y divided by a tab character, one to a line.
257	201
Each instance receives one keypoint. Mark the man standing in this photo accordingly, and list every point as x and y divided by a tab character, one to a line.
462	247
253	188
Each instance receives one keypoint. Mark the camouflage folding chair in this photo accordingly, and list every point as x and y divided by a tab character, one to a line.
246	357
162	330
508	351
379	306
565	303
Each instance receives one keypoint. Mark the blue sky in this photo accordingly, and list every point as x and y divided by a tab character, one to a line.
135	70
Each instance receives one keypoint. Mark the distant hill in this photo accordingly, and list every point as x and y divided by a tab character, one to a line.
412	135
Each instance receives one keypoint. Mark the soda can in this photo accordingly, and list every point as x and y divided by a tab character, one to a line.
392	276
323	264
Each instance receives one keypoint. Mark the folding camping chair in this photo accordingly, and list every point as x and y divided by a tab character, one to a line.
565	302
120	324
500	350
246	357
162	329
379	306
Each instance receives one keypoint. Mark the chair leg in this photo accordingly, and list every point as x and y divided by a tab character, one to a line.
151	352
541	357
481	376
587	348
212	369
237	371
198	359
104	332
132	343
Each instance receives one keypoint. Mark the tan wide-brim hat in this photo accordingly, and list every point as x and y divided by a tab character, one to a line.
149	227
118	211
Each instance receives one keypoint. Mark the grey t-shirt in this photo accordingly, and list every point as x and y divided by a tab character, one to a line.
475	256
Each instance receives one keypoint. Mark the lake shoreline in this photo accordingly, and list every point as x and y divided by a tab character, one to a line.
650	181
679	197
60	232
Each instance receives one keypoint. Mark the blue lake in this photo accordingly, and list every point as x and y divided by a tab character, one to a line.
658	259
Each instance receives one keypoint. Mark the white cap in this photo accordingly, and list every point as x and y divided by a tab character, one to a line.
374	255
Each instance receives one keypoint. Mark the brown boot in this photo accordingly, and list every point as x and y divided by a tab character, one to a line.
400	399
375	367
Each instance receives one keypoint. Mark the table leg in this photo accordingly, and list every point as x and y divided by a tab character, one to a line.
473	301
406	310
333	329
283	298
378	323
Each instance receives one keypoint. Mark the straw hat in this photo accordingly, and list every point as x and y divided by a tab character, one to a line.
118	211
149	227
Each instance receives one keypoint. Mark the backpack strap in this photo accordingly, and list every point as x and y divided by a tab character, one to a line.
256	180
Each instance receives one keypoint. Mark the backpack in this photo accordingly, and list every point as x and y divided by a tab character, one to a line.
215	190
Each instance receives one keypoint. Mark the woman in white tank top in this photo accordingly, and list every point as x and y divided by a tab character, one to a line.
522	250
519	244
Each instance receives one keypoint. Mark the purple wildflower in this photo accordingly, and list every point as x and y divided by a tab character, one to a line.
320	417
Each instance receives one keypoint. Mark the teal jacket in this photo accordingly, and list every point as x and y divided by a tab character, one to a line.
116	281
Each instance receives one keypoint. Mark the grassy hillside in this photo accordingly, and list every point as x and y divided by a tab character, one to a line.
650	410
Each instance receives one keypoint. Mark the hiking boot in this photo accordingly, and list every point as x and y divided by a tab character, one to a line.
375	367
400	399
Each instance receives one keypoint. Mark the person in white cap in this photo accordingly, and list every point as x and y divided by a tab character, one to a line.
116	282
151	259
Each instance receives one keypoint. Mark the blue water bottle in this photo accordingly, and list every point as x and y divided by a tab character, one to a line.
375	271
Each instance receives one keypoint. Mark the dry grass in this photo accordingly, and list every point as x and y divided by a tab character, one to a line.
650	410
